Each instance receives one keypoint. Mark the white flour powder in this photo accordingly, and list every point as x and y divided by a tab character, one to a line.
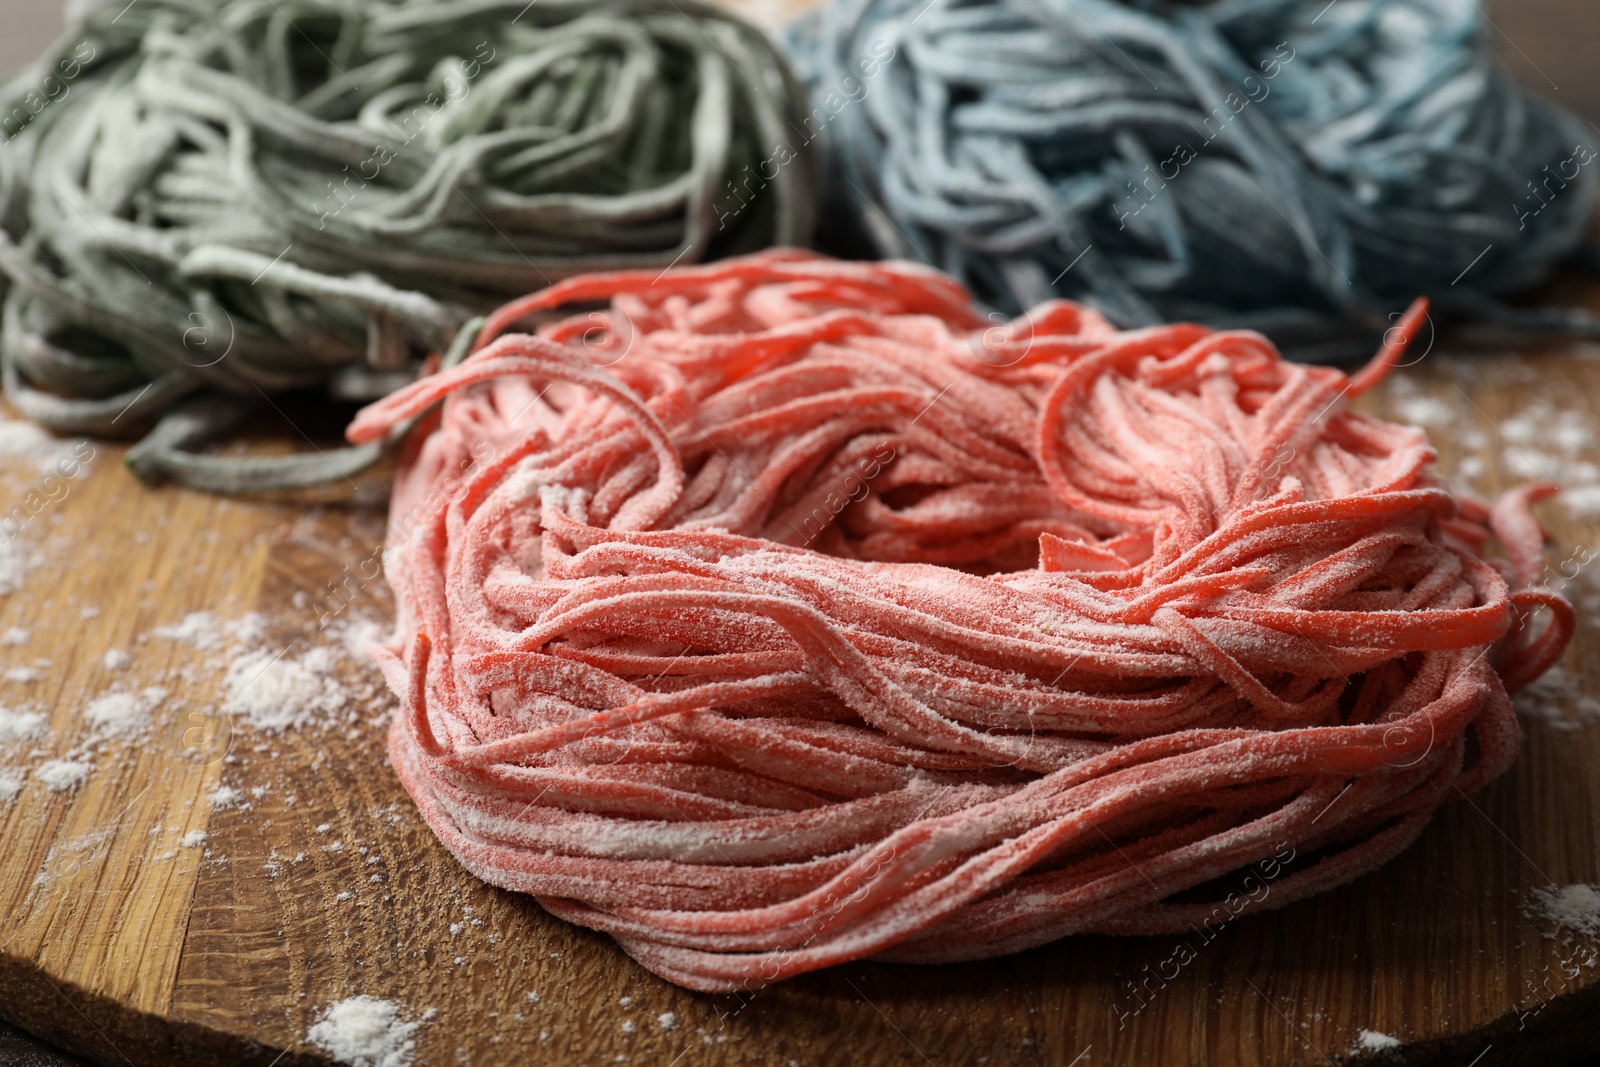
365	1032
20	725
60	775
273	691
1572	907
123	714
1373	1041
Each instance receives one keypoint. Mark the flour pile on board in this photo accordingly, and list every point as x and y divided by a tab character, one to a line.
121	714
268	683
365	1032
20	725
1420	409
1571	907
20	439
1375	1041
209	633
276	692
60	775
227	796
355	634
57	775
13	567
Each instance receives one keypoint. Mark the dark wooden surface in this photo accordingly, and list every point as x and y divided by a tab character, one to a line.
1550	47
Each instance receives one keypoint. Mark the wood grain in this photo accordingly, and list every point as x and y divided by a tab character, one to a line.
126	948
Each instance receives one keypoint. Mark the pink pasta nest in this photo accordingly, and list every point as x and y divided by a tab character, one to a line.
786	611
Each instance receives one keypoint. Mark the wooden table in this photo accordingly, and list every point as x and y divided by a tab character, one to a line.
124	946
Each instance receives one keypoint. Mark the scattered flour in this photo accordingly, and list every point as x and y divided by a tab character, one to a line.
61	775
1556	701
198	628
193	839
1523	429
1425	411
1531	464
1546	440
205	631
20	725
667	1020
123	714
261	686
1544	444
357	634
13	567
365	1032
1584	500
273	692
1373	1041
226	796
1572	907
22	439
273	688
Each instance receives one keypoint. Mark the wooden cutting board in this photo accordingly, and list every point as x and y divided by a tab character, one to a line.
127	947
